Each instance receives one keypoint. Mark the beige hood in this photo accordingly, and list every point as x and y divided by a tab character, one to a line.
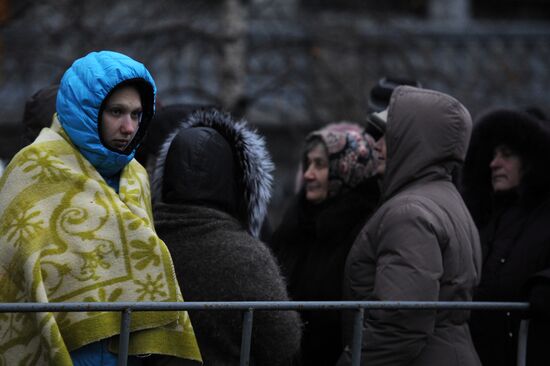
427	131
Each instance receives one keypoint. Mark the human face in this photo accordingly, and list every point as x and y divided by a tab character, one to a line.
120	118
316	174
506	169
380	148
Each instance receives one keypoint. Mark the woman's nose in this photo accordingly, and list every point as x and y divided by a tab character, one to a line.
308	173
495	163
127	125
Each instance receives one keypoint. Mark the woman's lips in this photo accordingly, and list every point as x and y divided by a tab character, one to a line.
312	186
120	144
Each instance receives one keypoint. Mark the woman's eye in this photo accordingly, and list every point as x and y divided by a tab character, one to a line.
136	116
317	166
115	112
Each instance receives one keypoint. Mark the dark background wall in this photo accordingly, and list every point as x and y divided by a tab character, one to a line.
287	66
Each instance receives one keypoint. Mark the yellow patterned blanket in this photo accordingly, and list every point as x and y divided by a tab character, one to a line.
66	236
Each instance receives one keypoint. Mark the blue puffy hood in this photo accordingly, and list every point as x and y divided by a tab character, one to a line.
83	89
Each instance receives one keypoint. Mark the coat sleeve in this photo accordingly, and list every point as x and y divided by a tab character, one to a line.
276	335
537	291
408	268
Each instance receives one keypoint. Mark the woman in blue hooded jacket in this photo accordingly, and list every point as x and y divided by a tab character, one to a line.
77	226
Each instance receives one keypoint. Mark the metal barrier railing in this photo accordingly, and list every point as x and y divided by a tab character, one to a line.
126	309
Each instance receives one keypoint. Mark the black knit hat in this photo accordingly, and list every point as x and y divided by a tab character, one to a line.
380	94
39	111
379	99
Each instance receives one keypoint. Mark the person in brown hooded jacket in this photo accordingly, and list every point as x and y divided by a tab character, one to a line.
421	244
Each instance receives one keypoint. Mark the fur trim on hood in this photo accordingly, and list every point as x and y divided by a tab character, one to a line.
524	135
254	163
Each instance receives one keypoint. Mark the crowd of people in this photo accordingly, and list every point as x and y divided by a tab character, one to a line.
418	203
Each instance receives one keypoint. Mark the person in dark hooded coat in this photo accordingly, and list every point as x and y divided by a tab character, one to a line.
212	184
506	185
339	191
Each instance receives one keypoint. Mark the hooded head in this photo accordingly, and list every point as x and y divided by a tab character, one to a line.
200	169
427	132
525	136
84	90
214	161
350	153
166	120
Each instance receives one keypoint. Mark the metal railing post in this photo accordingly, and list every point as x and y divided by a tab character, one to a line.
357	337
124	337
247	337
522	342
359	307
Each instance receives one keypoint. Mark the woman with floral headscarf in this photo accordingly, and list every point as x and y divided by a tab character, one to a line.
338	193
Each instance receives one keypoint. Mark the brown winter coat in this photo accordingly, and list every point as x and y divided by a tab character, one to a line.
421	244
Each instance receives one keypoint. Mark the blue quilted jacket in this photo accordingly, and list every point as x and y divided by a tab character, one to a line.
97	354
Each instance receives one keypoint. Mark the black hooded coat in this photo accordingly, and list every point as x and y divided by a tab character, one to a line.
514	232
212	185
313	239
312	243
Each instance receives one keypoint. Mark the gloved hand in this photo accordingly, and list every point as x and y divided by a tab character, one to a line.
345	357
539	300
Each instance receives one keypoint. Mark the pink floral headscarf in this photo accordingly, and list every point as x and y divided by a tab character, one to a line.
351	155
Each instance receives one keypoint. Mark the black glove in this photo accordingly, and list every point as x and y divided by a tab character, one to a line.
539	300
345	357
